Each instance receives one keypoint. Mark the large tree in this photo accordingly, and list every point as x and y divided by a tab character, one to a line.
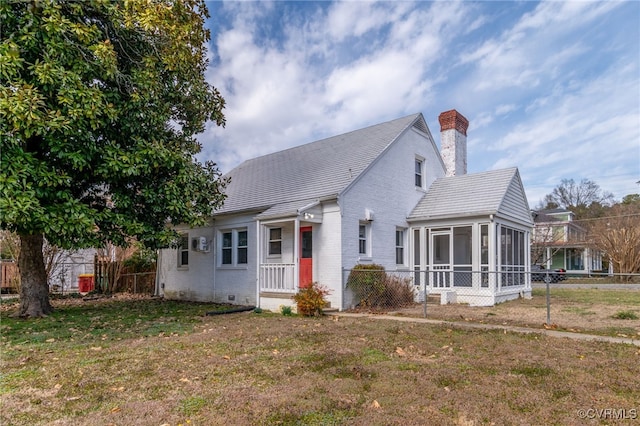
586	199
99	107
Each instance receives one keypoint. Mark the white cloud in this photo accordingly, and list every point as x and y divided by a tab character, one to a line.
550	87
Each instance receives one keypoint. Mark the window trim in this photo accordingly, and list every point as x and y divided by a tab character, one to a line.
401	246
364	241
183	250
419	172
226	248
244	247
271	241
234	248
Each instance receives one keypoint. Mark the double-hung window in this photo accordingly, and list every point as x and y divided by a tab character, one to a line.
234	247
364	239
400	247
275	241
183	251
419	173
242	247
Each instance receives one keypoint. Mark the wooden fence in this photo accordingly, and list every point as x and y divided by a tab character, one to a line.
9	277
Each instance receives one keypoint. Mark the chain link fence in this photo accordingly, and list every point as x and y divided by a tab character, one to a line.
138	283
516	297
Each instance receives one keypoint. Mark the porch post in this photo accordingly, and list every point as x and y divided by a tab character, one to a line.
258	260
296	253
498	258
527	260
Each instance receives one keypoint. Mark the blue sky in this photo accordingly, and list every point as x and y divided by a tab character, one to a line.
550	87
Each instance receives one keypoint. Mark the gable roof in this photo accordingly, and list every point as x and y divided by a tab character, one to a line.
286	181
478	194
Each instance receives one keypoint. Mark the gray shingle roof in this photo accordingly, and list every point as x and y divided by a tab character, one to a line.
316	170
475	194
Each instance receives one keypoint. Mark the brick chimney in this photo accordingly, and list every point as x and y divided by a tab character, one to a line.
453	142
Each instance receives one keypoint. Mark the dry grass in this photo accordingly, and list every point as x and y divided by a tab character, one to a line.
593	311
264	369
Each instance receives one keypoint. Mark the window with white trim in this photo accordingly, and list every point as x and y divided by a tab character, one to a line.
400	242
233	247
183	250
275	241
364	239
419	172
242	247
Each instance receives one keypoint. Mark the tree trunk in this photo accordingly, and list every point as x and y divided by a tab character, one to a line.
34	290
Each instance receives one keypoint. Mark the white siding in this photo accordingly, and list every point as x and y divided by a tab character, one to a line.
193	282
236	282
388	189
514	204
327	262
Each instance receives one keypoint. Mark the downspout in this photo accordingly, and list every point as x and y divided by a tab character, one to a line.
342	283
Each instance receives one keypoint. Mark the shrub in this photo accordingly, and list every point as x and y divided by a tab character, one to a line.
374	288
626	315
367	283
286	310
398	292
311	300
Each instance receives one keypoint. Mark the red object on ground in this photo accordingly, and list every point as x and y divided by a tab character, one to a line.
85	283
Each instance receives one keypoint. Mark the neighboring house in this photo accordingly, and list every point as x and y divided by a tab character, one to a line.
383	194
67	266
559	242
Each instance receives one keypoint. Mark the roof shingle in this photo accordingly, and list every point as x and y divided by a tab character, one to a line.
315	170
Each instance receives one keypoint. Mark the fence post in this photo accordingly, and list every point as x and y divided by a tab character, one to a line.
547	280
135	283
424	286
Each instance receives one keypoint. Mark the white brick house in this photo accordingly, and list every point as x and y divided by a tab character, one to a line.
311	212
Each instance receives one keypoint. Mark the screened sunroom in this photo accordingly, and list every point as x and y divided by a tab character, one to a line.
470	245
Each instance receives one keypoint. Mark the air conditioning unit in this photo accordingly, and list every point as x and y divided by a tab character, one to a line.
200	244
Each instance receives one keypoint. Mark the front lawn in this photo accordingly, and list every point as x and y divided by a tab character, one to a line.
153	362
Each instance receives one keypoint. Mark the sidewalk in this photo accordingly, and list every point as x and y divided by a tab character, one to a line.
505	328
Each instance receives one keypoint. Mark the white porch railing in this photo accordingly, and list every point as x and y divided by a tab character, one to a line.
277	277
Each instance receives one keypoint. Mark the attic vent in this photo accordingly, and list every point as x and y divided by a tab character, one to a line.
421	126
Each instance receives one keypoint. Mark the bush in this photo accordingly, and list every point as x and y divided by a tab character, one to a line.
398	292
374	288
311	300
367	283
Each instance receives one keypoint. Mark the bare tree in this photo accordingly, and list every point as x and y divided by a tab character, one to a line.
9	244
618	235
585	199
114	257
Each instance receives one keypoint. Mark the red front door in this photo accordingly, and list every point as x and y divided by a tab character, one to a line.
306	257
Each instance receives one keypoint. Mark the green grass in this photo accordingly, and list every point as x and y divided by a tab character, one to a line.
578	311
594	296
105	321
268	369
626	315
191	405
